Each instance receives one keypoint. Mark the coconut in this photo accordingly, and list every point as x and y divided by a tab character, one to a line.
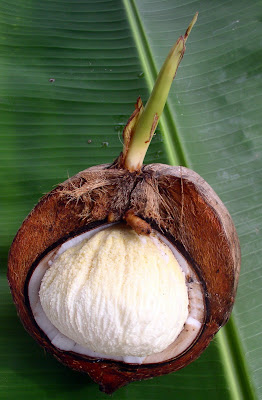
126	271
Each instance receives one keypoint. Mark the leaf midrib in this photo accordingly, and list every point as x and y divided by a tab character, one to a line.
230	347
175	152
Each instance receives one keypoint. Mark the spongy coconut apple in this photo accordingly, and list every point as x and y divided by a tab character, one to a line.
126	271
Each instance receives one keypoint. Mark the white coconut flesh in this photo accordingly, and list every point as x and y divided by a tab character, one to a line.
111	293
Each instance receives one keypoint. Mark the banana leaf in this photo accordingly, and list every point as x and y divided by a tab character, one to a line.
70	73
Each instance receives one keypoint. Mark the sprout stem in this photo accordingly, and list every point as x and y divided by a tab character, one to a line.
148	120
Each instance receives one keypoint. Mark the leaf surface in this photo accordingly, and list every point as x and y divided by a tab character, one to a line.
70	73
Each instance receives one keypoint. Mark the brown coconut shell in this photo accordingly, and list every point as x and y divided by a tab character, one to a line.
173	200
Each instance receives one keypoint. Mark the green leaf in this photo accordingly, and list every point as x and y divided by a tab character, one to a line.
70	73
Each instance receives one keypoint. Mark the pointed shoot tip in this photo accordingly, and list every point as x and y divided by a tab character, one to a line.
147	120
192	23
